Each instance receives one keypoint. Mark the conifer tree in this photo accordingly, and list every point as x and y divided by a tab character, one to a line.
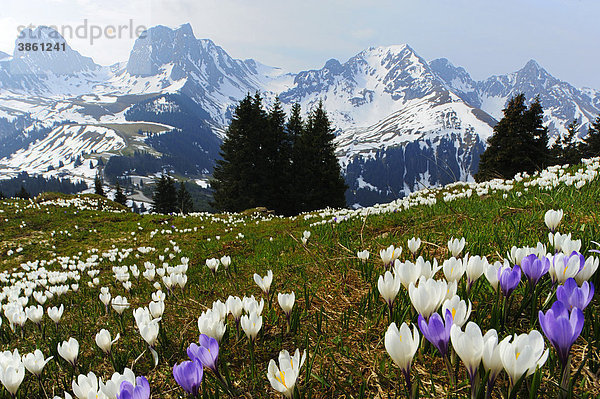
294	129
120	198
98	183
185	204
320	182
278	149
23	194
566	150
238	176
164	199
519	142
591	143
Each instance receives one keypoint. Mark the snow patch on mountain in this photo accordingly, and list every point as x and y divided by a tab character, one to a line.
62	147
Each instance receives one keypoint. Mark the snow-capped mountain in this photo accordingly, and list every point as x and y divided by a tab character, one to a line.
401	126
562	102
402	122
197	68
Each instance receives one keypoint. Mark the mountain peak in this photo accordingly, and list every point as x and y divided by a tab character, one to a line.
532	64
186	29
395	49
3	56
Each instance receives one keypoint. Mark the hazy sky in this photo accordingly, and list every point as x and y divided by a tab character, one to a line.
484	36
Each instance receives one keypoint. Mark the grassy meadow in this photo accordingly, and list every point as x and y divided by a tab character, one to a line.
339	316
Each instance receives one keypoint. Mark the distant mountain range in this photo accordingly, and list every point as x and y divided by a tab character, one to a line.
402	123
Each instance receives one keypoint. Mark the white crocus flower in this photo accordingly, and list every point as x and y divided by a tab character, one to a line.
491	273
69	350
286	301
149	332
492	361
388	286
453	269
120	304
213	264
12	376
407	272
552	218
414	244
220	309
455	246
264	283
156	308
459	309
211	324
363	255
563	267
105	296
226	261
468	345
589	268
523	355
476	265
283	378
35	313
401	345
35	362
56	313
86	386
389	255
251	325
428	270
103	340
427	297
112	387
234	306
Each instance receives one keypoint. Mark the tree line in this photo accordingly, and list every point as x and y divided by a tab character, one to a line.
520	143
286	164
25	186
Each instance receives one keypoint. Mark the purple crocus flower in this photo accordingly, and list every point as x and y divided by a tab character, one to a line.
437	331
188	375
140	391
534	268
509	279
561	328
572	296
207	352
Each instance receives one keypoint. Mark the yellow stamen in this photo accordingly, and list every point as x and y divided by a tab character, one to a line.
281	378
518	354
453	313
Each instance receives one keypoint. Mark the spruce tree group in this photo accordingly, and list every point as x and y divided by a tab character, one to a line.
168	199
519	142
164	199
286	166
